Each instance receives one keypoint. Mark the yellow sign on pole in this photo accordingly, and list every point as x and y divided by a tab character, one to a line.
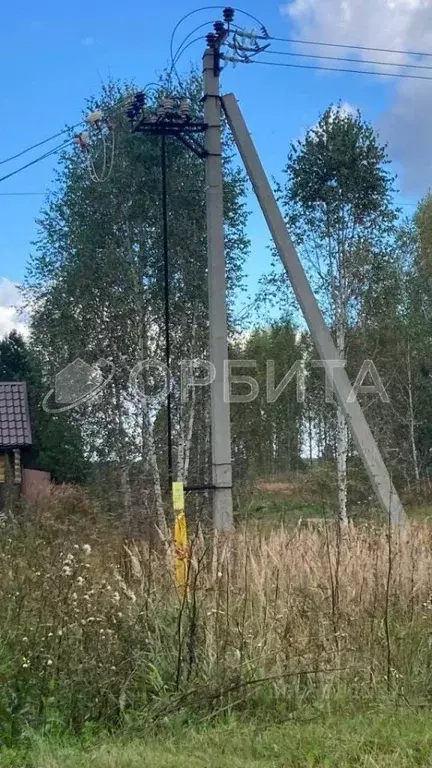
178	497
181	549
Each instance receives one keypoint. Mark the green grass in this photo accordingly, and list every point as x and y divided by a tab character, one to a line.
272	509
401	739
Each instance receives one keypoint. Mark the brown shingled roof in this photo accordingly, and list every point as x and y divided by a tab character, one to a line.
15	430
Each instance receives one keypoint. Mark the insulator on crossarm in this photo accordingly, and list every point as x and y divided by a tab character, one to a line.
219	27
184	108
211	40
167	105
94	118
228	15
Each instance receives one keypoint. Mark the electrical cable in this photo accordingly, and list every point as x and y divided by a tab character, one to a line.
209	8
40	143
181	50
104	175
195	40
37	160
51	138
345	45
296	41
200	26
333	69
343	58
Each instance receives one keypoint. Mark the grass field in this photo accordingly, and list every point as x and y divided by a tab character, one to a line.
295	644
376	740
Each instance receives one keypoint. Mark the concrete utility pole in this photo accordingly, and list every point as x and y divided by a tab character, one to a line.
220	407
364	440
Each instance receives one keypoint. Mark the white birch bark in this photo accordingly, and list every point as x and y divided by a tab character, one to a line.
411	418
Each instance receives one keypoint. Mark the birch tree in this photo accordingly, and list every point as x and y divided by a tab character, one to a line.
95	281
337	200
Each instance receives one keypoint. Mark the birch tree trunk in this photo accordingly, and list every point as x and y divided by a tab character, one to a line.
186	423
122	451
149	450
411	417
148	444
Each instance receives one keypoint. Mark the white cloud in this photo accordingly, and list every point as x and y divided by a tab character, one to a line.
396	24
11	315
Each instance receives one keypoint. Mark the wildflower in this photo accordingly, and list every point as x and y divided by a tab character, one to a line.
80	580
59	633
49	663
50	634
25	639
66	570
87	597
116	597
86	549
74	596
26	665
76	546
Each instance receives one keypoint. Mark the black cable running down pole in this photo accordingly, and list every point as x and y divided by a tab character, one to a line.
167	307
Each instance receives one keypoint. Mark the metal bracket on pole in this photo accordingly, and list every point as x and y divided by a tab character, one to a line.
362	435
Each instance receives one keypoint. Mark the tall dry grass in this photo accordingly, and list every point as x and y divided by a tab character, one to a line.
93	629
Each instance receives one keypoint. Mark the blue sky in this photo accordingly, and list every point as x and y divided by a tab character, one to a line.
52	58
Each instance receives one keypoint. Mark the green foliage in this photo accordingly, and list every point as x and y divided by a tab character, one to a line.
96	281
267	431
341	167
57	441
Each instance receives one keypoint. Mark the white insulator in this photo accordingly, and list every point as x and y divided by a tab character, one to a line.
167	104
184	107
94	117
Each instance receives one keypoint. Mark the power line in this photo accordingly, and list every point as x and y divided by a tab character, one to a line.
330	69
39	144
183	49
345	45
54	151
343	58
208	8
37	160
200	26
